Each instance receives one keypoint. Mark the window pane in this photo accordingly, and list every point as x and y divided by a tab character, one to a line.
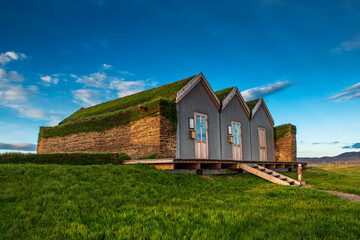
238	134
197	128
203	128
234	133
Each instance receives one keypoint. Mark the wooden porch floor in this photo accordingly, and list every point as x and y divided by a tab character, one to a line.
211	164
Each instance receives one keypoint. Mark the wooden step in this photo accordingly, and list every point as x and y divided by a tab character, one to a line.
269	175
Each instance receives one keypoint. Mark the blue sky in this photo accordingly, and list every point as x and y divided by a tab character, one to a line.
303	56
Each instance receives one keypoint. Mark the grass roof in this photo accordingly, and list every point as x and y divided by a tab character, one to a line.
121	111
251	104
223	93
168	91
281	130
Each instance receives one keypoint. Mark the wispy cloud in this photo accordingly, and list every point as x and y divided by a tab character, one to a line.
87	97
106	66
107	81
349	93
266	90
326	143
7	57
353	146
49	79
16	95
347	46
18	146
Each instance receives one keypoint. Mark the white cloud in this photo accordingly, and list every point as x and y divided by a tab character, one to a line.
350	93
8	77
18	146
355	86
96	80
106	66
13	93
14	76
265	90
347	98
10	56
33	88
104	81
126	73
16	96
54	120
87	97
28	111
347	46
48	80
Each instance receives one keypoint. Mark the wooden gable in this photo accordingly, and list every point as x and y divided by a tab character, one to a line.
190	85
261	103
236	93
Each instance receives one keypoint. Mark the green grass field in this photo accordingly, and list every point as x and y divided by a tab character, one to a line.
343	178
135	202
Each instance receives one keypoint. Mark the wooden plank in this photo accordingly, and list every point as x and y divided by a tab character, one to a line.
147	161
166	166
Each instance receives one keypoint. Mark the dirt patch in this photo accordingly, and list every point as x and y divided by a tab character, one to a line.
343	195
208	178
349	196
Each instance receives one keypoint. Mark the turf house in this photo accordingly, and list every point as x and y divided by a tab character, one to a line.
181	120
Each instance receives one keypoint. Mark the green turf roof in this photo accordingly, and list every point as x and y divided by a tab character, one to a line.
223	93
251	104
168	91
281	130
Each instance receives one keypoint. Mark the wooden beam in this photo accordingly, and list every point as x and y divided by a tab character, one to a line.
270	166
187	166
280	165
167	166
210	165
230	166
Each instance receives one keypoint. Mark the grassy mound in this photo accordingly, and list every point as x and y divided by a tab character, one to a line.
281	130
251	104
135	202
223	93
163	106
167	91
77	158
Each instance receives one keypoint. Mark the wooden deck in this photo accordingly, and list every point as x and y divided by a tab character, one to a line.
209	165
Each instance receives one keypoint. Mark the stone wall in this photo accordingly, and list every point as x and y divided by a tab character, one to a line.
285	147
137	139
167	139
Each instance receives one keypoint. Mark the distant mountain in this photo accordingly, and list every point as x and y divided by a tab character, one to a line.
347	157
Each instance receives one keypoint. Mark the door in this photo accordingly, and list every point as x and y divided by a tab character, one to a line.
262	144
201	140
237	141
